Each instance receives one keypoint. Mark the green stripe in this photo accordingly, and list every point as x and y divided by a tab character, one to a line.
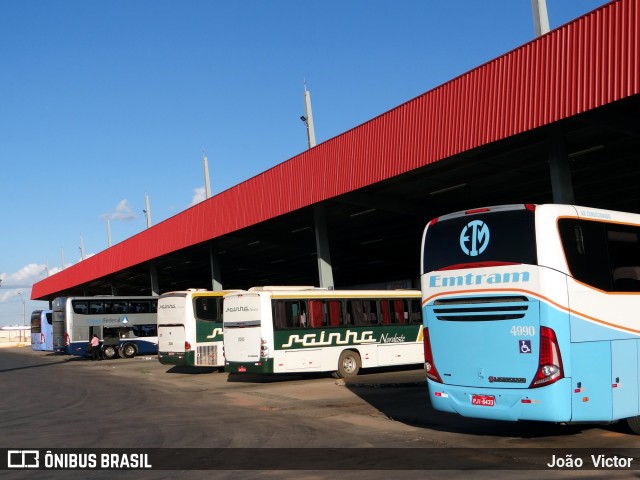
343	336
266	366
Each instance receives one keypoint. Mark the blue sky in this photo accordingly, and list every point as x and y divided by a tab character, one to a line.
102	102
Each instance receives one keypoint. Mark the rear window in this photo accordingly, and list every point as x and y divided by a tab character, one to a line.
473	240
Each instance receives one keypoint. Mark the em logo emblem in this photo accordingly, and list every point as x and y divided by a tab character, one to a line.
474	238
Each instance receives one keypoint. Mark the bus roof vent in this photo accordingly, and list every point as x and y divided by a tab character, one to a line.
276	288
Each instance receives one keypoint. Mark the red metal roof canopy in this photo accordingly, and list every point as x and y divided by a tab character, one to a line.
590	62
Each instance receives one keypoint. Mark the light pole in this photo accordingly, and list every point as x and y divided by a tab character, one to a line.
307	118
24	318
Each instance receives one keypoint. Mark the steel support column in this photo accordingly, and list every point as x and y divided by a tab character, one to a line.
153	275
561	183
325	272
216	273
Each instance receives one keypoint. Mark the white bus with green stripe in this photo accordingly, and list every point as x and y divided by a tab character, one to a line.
307	329
190	328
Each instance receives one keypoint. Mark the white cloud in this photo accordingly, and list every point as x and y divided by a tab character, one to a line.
198	196
121	212
25	277
22	280
15	288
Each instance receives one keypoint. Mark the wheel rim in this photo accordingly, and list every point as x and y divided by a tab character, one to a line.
349	364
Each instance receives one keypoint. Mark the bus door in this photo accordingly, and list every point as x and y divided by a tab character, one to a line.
95	331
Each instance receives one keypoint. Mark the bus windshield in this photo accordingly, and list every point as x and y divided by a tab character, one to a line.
462	241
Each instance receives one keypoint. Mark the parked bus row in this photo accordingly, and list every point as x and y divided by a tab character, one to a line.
260	330
526	312
291	329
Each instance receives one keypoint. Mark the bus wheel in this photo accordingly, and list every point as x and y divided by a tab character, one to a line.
128	350
634	424
109	352
348	364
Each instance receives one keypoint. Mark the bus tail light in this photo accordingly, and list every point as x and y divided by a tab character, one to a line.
550	368
429	366
264	349
67	342
187	346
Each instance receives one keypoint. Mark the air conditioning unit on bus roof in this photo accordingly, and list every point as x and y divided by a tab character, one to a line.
275	288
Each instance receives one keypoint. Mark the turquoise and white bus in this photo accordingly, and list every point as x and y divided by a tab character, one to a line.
531	313
307	329
42	330
126	326
190	328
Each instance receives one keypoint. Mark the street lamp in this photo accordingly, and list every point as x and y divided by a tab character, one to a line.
24	311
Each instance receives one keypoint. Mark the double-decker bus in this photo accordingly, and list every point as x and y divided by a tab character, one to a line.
190	328
531	313
307	329
126	326
42	330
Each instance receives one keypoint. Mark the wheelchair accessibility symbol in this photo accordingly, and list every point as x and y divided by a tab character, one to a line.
525	346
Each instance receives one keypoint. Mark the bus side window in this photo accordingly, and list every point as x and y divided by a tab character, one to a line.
279	314
144	330
302	316
385	309
316	317
335	313
355	313
81	308
626	279
624	255
207	308
415	315
370	312
108	307
139	307
289	314
96	307
400	311
585	248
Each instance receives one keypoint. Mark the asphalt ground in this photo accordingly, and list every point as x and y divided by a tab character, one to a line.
377	425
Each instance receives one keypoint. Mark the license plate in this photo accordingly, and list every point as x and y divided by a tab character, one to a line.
242	369
171	354
483	400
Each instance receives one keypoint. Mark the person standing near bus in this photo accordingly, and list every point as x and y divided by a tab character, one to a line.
95	348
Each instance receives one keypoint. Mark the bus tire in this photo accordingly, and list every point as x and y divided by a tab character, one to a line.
634	424
349	364
109	352
128	350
